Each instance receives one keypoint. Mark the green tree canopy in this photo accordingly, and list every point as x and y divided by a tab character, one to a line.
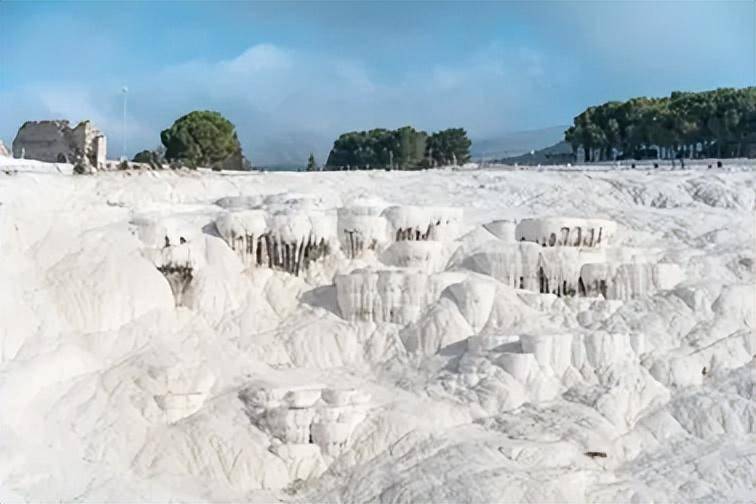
718	122
201	138
152	158
449	146
312	165
405	149
144	156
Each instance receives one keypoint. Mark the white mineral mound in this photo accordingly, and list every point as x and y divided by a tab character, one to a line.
430	336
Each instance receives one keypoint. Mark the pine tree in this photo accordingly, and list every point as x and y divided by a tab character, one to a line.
312	165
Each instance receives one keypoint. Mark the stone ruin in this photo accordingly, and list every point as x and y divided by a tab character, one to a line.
56	142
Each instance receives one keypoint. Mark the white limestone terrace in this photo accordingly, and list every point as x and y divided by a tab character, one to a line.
286	231
372	225
561	231
423	222
435	378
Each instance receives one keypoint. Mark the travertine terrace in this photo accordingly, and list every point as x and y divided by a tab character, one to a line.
343	337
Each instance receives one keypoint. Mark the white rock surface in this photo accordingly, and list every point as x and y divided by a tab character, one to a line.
566	232
398	371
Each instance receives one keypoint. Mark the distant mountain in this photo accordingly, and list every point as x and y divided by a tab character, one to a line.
516	143
559	153
289	151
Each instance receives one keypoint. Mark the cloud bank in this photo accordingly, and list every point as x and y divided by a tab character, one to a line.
286	102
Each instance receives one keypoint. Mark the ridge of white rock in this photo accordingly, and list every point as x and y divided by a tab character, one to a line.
503	229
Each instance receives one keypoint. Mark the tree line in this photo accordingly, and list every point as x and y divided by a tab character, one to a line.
717	123
206	138
402	149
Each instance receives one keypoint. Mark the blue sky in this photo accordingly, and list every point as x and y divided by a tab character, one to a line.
292	75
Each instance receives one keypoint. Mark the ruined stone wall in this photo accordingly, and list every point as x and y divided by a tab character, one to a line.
57	142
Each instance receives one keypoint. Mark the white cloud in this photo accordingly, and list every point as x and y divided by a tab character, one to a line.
287	102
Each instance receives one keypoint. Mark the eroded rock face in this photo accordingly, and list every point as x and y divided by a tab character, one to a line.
570	271
627	280
306	416
361	228
503	229
566	232
513	264
395	296
57	142
176	247
179	277
373	227
423	223
427	256
529	266
288	240
186	393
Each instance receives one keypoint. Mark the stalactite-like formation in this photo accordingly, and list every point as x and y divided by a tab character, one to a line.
285	242
364	227
569	271
397	296
361	228
414	223
270	251
566	232
179	277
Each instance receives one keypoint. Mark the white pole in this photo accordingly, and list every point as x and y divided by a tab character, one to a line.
125	91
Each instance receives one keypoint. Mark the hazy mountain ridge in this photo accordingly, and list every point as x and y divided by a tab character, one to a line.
292	151
517	142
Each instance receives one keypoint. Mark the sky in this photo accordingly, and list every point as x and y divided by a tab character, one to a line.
292	76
